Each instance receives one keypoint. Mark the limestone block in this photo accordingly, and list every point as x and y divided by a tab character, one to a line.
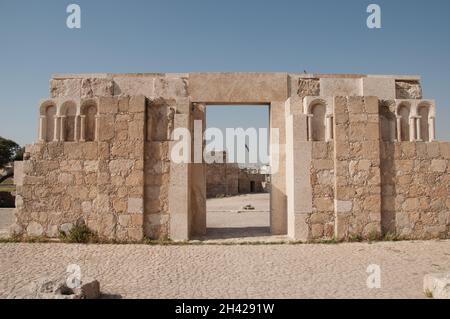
135	206
445	149
65	88
35	229
324	204
171	87
341	87
101	204
138	85
238	87
371	105
120	167
383	88
57	150
135	234
317	230
438	166
108	105
438	285
90	166
308	87
319	150
136	130
408	90
343	206
137	104
91	87
106	127
433	149
86	207
18	173
73	151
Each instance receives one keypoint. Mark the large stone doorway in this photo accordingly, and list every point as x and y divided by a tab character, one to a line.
237	171
207	90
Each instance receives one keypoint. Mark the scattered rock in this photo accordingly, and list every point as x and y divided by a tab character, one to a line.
57	288
437	286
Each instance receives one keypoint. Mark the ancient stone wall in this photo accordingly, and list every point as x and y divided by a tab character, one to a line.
356	156
321	220
415	188
101	183
222	179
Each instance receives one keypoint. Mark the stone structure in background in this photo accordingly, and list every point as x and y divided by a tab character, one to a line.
229	179
357	156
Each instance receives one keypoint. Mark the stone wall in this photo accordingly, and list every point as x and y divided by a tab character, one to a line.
222	179
100	183
105	140
416	188
321	220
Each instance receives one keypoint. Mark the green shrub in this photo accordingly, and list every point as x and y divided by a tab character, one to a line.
80	234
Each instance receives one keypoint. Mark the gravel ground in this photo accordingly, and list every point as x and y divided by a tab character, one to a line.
251	271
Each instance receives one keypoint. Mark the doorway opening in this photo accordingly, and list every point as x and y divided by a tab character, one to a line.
237	171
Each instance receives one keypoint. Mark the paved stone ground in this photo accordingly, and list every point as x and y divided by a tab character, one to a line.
226	220
265	271
6	219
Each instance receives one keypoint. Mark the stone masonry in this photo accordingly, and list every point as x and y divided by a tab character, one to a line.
356	156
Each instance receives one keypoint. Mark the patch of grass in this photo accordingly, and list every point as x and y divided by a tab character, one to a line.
331	241
355	239
428	294
373	236
80	234
390	236
26	240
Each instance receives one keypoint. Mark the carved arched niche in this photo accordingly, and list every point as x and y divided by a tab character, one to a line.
88	122
47	128
403	123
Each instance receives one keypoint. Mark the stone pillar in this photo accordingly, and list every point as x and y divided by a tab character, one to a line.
392	137
418	130
62	130
179	188
97	121
399	129
412	129
42	128
309	126
329	127
298	181
198	172
76	132
278	196
82	128
432	129
55	129
357	167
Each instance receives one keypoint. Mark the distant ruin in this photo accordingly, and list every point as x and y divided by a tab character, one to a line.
229	179
357	156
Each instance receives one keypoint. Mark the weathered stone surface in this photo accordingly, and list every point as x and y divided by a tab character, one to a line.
438	285
35	229
408	90
58	288
337	158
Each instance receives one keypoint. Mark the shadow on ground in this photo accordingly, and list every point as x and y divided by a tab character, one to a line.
236	232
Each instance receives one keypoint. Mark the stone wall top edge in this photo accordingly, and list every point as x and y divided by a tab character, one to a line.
186	75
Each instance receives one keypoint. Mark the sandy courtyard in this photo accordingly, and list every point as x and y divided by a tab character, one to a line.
264	271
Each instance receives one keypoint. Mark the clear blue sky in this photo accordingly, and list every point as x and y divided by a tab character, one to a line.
322	36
